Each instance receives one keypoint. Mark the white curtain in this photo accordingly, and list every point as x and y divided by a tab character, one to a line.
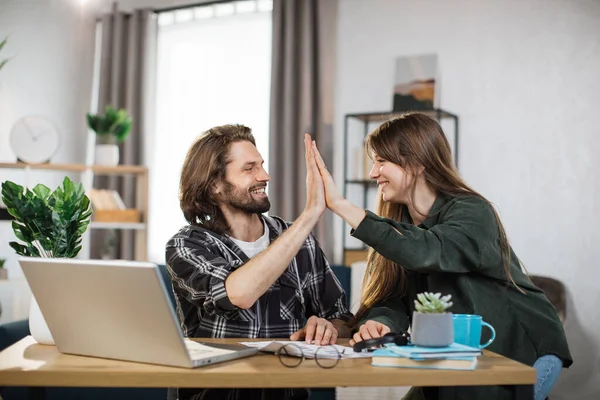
214	68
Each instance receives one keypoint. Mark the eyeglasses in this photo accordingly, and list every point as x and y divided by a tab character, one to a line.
399	339
291	355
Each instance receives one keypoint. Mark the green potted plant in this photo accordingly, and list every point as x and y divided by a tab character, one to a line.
3	271
432	325
47	224
111	128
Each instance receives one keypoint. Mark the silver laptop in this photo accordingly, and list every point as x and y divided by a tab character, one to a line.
116	309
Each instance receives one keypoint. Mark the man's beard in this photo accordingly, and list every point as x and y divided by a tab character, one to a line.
243	200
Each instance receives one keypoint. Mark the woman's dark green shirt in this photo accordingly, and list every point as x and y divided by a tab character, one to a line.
456	251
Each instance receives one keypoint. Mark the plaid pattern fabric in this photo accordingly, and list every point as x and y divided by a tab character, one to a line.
199	262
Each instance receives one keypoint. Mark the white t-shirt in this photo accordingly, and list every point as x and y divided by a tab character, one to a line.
253	248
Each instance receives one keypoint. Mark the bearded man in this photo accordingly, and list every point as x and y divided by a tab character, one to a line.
237	272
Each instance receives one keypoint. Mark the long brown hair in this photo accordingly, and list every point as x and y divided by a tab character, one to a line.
411	140
204	166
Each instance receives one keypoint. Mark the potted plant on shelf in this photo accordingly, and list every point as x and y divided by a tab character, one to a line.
431	324
111	128
48	224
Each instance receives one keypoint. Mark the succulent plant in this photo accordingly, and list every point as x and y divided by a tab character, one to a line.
432	303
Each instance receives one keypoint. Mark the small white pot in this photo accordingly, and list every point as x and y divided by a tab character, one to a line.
37	324
432	330
107	155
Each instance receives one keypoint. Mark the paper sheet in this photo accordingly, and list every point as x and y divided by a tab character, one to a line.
308	350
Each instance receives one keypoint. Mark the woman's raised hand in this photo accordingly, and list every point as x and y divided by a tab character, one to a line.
332	195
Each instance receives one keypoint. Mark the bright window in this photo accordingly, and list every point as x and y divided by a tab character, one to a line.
213	68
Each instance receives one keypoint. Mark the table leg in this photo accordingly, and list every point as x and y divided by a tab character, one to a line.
36	393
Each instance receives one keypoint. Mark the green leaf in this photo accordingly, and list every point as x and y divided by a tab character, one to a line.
42	191
3	43
122	129
419	307
22	232
27	251
11	192
92	122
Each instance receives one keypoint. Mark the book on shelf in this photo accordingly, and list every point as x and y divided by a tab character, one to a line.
104	199
455	356
108	206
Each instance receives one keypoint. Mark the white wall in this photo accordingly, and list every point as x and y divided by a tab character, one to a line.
50	74
523	77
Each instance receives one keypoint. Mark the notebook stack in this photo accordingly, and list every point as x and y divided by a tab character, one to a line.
455	356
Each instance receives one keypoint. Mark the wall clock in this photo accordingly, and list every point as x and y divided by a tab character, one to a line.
34	139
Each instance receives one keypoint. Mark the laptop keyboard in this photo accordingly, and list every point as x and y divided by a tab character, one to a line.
196	350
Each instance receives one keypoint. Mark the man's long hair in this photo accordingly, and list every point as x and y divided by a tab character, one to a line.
204	167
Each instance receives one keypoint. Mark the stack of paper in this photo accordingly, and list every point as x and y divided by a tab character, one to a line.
300	349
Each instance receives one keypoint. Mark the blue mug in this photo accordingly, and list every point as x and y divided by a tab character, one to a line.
467	330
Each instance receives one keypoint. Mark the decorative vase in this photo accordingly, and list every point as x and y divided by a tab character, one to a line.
432	330
107	155
37	324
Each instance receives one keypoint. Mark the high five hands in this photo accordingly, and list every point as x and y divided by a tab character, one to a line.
315	192
352	214
321	193
315	163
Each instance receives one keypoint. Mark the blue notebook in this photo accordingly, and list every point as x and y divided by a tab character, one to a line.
385	357
421	353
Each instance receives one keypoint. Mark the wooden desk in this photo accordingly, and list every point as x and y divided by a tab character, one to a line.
27	363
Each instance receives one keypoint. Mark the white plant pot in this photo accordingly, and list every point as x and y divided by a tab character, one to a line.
107	155
432	330
37	324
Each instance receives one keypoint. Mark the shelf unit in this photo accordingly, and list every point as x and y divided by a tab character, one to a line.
354	254
88	172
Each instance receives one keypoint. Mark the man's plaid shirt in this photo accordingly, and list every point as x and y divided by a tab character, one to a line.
199	261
